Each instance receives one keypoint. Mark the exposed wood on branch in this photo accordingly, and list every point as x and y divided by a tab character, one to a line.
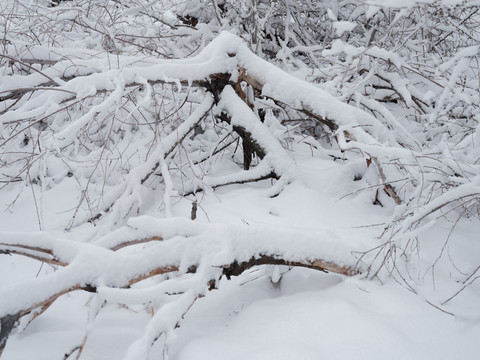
236	268
158	271
252	81
250	146
136	242
257	84
199	188
23	250
7	324
389	190
215	84
10	321
46	260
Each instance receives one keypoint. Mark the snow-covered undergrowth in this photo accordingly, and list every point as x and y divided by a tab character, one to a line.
305	314
185	172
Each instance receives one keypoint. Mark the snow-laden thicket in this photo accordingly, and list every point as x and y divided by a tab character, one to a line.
134	106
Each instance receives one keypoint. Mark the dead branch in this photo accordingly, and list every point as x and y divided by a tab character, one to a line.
10	321
250	146
135	242
237	268
35	257
386	186
20	249
29	67
257	84
158	271
252	178
7	324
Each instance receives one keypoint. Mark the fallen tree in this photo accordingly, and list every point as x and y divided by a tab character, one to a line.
194	255
218	76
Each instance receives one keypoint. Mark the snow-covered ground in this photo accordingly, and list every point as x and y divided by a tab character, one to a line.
307	315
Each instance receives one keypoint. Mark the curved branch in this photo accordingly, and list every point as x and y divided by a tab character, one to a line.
237	268
46	255
135	242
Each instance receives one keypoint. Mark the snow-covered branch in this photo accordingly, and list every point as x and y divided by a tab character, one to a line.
176	245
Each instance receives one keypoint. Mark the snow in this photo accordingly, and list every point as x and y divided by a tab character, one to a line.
343	26
344	320
306	314
105	189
